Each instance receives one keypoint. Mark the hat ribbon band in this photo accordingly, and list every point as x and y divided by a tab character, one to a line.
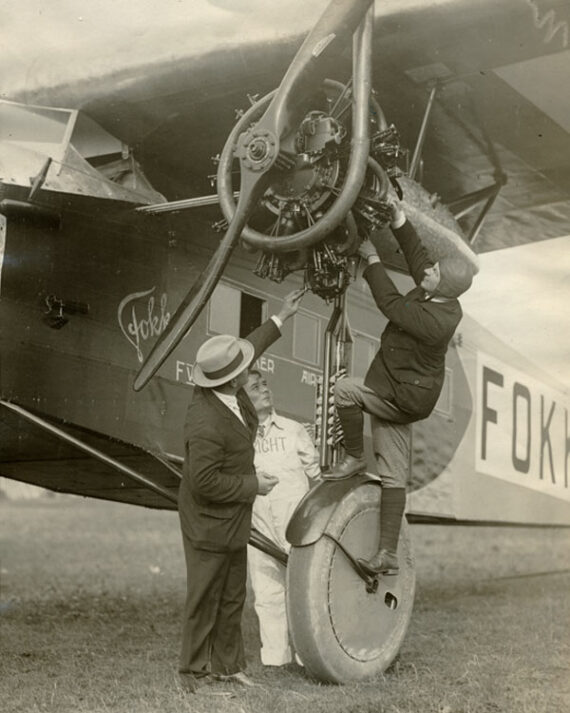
225	370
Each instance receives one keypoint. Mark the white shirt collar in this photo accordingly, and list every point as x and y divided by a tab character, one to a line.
272	420
230	400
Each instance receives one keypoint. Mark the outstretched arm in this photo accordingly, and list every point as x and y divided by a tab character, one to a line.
416	255
411	316
270	330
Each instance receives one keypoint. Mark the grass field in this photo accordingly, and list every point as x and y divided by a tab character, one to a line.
92	596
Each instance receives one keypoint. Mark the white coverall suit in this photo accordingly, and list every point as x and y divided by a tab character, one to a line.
285	450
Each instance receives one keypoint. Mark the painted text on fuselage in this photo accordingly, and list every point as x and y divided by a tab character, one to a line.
523	428
141	318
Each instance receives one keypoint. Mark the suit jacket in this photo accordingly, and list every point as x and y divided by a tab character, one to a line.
409	368
218	483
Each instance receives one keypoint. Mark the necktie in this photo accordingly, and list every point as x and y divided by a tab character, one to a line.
260	431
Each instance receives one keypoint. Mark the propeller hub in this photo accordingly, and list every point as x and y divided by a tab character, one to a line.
257	149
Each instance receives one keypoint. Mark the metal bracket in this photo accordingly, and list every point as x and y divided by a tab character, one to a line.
370	582
465	204
38	181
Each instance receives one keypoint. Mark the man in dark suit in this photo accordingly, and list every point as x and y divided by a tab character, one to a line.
405	378
219	485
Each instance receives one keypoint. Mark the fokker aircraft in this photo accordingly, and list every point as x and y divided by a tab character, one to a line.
118	257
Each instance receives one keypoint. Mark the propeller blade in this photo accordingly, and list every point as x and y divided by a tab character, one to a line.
259	151
318	54
201	290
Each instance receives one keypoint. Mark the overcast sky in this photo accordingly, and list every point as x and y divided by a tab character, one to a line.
522	295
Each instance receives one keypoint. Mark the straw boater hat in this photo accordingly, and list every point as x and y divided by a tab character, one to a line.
220	359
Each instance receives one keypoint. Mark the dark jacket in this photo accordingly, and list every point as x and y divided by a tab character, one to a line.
219	484
409	367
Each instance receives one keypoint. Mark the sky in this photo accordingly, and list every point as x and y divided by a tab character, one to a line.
522	295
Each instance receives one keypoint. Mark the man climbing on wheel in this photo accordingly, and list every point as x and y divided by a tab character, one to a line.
405	378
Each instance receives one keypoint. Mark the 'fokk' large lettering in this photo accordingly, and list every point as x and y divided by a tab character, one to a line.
522	428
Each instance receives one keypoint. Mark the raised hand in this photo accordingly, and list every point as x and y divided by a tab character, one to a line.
366	249
291	304
397	212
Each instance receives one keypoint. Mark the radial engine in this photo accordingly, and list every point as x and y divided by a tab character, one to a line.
310	174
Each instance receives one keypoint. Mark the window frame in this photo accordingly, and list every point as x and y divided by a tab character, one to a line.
318	348
241	290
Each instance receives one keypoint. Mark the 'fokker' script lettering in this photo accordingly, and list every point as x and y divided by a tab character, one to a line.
140	320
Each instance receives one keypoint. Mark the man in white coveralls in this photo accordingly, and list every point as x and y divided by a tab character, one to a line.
283	448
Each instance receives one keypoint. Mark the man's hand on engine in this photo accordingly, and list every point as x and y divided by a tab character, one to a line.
397	215
367	250
290	304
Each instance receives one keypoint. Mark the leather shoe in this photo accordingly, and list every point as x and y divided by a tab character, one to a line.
348	466
383	562
239	677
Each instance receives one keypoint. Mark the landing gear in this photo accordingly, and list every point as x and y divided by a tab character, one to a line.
346	626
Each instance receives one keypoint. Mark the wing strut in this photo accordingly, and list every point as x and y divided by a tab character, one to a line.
416	158
93	452
461	206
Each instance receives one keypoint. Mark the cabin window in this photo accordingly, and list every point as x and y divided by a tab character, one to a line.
234	312
363	350
306	338
251	314
444	402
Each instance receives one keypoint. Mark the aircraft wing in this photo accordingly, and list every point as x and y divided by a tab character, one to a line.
68	459
168	81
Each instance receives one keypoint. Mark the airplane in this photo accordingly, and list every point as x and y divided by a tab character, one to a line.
108	217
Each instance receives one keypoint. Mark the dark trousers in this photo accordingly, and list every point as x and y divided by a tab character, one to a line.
211	633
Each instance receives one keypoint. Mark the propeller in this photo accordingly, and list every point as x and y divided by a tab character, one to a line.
260	155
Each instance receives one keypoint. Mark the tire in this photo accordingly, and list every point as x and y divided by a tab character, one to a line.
340	631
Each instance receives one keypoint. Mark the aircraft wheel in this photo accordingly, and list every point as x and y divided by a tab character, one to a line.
340	631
